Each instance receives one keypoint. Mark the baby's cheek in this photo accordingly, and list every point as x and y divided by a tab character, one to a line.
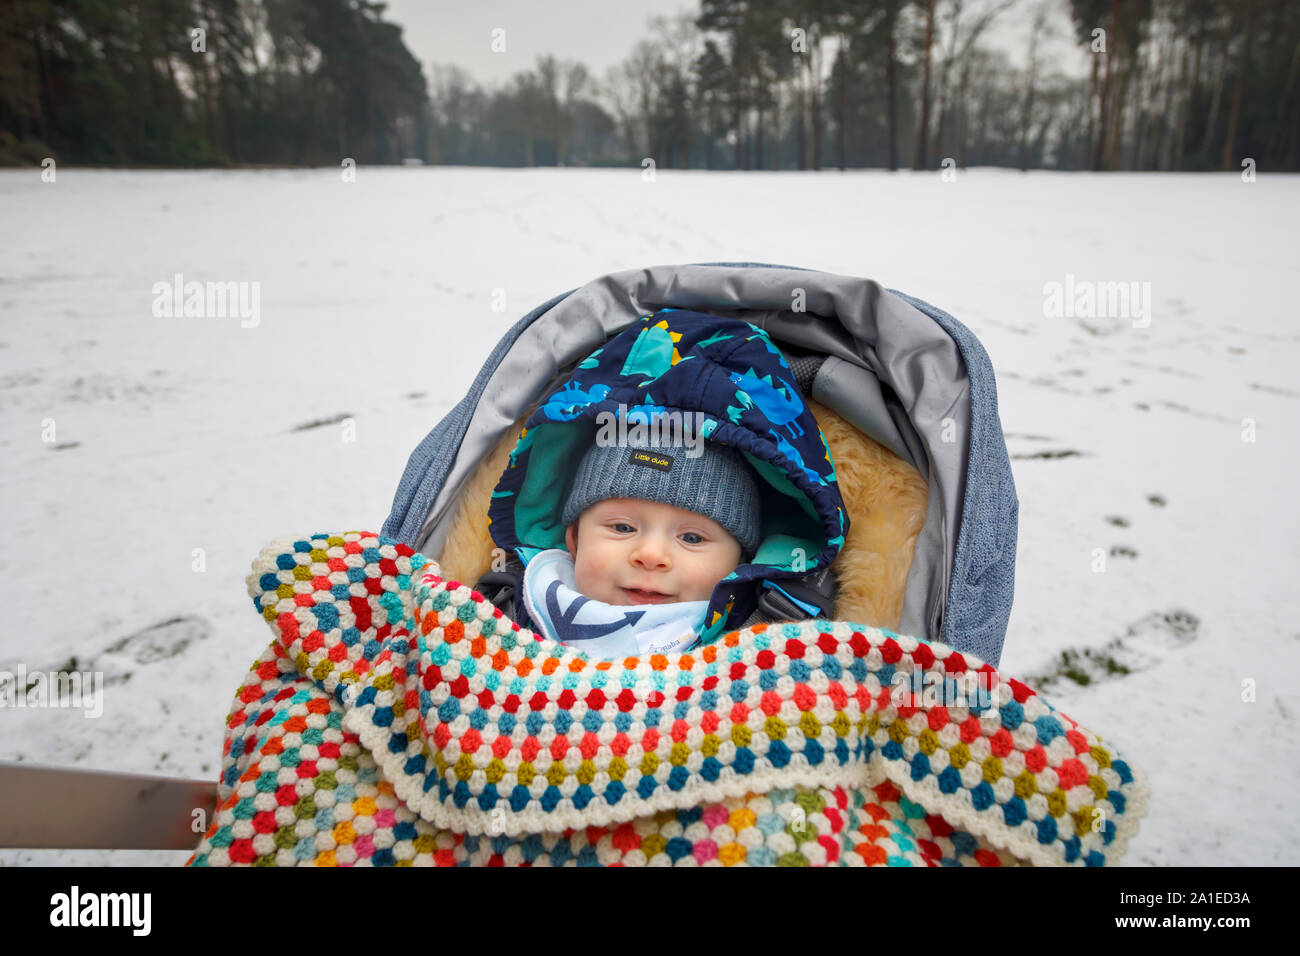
582	575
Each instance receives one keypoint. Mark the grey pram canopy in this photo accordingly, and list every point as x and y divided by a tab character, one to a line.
906	374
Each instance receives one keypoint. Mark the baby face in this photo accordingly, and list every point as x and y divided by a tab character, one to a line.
630	551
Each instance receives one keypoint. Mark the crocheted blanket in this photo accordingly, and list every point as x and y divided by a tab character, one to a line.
398	718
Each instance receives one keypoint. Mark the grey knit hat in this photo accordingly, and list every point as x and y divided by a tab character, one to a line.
718	484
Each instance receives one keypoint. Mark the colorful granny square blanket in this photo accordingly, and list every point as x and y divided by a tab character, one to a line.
400	719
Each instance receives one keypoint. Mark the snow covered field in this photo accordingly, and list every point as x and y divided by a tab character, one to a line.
128	440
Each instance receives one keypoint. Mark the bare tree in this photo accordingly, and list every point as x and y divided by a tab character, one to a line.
680	46
1187	81
451	95
1031	75
1146	93
815	20
561	85
1163	100
842	103
632	91
1230	139
923	123
1224	48
892	10
619	92
956	52
1280	139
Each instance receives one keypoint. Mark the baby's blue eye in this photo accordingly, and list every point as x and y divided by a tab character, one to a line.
623	524
692	534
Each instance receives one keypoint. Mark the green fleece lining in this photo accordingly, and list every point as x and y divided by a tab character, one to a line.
779	550
552	463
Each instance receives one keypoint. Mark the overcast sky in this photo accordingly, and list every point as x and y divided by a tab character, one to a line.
601	33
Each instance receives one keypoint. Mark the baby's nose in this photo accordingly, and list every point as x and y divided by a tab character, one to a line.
652	551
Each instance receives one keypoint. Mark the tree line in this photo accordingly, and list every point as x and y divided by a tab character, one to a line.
207	82
735	84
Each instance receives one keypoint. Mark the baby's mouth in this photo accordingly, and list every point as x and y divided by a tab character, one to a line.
639	596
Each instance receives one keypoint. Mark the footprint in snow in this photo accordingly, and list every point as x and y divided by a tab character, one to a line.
1145	644
162	641
321	422
151	645
1050	454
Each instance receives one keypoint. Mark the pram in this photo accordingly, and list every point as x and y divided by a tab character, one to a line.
936	556
400	718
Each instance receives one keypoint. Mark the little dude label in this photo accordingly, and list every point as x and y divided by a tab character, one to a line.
651	460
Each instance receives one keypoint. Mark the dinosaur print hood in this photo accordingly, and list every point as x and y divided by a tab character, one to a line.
664	369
